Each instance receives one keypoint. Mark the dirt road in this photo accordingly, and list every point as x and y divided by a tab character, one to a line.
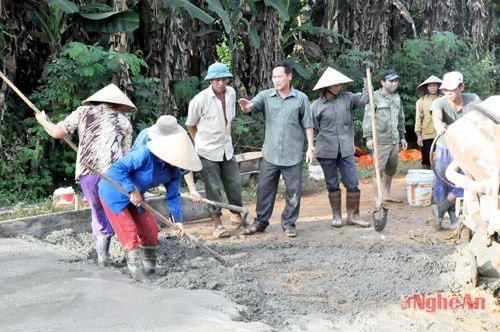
326	279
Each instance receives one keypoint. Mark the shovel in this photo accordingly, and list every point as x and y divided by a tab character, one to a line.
242	210
146	206
380	213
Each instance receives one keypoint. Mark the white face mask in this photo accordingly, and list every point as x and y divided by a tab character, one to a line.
390	86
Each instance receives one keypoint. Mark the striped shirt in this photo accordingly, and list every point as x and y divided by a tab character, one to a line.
104	135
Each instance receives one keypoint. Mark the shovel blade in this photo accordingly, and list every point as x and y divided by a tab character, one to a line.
380	218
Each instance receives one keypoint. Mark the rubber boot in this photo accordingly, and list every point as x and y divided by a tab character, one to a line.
386	185
453	218
335	198
148	257
134	264
352	204
439	211
102	247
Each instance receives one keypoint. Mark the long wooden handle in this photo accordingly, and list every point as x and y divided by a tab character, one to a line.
374	135
32	106
145	205
19	93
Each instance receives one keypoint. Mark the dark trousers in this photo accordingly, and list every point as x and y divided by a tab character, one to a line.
221	174
426	150
266	193
347	168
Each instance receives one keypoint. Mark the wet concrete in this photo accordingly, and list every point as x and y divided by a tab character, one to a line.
326	279
44	288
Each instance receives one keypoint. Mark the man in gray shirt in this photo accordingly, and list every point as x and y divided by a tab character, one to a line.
287	116
446	110
334	143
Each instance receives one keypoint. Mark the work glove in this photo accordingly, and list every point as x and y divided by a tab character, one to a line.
366	64
369	144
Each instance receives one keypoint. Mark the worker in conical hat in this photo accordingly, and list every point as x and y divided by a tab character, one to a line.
104	135
157	162
334	137
424	129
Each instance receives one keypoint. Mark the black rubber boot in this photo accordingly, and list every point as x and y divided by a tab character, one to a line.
439	211
335	198
102	247
148	257
453	218
352	204
134	264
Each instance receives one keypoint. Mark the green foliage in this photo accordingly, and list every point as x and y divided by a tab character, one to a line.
191	9
444	52
224	52
248	132
79	71
32	164
184	90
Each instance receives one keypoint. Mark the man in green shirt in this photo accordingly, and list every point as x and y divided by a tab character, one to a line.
287	116
390	126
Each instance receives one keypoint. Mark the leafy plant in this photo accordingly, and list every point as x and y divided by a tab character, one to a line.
34	164
443	52
184	90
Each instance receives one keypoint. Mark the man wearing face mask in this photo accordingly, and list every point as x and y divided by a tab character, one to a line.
390	126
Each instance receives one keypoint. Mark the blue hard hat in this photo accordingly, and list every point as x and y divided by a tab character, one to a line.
217	70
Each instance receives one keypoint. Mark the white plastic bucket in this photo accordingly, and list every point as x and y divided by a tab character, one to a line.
64	196
419	187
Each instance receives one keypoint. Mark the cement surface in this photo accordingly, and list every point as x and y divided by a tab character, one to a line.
46	289
326	279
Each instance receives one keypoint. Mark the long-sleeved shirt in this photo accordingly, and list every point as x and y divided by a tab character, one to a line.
104	136
144	170
141	139
389	119
333	123
285	118
423	118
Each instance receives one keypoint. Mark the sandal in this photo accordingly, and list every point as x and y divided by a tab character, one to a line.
221	232
290	232
252	229
392	200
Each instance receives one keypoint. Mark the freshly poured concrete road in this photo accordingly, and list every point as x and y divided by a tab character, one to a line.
42	289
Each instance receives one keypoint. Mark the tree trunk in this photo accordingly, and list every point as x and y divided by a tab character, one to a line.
379	25
472	18
258	63
172	49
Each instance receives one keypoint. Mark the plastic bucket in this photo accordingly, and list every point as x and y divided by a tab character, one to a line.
419	187
64	196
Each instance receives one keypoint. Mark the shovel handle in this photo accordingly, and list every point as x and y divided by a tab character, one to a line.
374	136
145	205
19	93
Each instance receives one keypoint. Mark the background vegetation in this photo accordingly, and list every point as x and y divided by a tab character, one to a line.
58	52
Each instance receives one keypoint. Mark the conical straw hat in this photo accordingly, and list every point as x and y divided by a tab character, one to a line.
164	126
331	77
171	143
113	95
429	80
